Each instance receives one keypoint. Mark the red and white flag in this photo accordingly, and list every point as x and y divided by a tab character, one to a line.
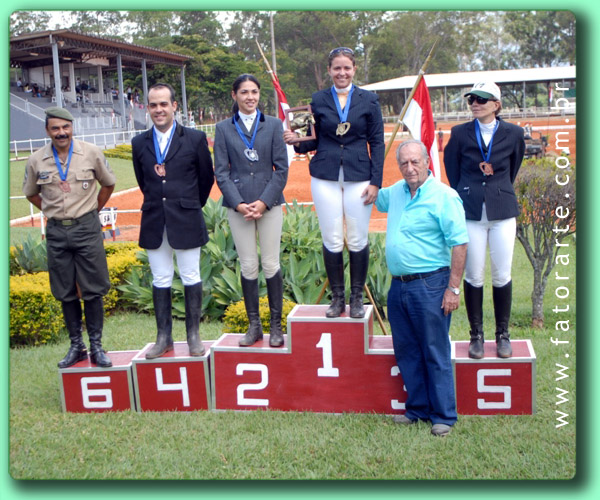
283	107
419	121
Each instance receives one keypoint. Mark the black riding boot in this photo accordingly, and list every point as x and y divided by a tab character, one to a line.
275	292
254	333
474	306
359	265
94	322
161	297
77	351
193	314
502	304
334	265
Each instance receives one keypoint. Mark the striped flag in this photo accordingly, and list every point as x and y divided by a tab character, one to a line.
419	121
283	107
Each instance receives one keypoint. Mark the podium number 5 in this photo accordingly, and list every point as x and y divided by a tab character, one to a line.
327	370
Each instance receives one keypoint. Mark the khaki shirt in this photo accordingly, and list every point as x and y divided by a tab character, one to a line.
88	165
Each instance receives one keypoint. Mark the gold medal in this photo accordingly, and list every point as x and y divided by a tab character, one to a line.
159	168
486	168
342	128
65	186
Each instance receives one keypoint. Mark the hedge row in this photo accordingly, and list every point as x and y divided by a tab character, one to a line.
36	316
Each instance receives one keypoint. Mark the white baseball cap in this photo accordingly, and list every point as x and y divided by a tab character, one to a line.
485	89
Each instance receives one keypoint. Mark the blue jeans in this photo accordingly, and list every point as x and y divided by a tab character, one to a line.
422	347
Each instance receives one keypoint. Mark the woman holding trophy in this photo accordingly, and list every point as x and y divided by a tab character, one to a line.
346	174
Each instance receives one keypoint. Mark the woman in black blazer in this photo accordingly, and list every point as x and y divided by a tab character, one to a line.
346	174
251	166
482	159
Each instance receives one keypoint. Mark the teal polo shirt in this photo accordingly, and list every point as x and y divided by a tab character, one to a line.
422	230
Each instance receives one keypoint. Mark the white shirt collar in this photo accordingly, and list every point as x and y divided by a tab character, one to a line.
161	135
488	126
347	89
246	117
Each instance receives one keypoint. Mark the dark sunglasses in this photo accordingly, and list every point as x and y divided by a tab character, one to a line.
480	100
341	50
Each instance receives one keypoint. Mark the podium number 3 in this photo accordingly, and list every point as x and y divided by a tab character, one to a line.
327	370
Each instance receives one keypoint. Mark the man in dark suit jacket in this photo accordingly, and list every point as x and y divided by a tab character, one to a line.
173	168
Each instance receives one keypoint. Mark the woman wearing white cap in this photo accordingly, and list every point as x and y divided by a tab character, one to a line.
482	159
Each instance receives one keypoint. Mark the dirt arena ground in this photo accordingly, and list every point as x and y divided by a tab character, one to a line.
298	185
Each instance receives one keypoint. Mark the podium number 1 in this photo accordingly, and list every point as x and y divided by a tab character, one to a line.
327	370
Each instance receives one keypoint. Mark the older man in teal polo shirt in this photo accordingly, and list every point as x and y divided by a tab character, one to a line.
426	247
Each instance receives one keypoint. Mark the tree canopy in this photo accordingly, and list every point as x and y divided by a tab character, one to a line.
387	44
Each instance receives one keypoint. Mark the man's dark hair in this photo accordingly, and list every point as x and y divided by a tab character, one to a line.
162	85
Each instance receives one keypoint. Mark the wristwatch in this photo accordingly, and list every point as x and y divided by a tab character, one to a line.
455	291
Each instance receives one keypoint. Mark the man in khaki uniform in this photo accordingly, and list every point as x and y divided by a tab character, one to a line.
60	179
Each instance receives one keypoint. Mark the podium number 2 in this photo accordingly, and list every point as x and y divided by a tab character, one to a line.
242	388
327	370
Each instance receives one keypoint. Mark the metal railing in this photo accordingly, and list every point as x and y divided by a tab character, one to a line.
533	112
22	149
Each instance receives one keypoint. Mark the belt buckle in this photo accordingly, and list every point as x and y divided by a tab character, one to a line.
68	222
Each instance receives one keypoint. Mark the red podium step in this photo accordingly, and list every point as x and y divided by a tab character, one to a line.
331	365
174	382
327	365
86	388
495	386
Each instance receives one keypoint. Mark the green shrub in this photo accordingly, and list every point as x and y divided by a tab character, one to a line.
235	319
379	278
29	256
122	151
35	315
120	259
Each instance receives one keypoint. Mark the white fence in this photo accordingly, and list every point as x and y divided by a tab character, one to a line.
22	149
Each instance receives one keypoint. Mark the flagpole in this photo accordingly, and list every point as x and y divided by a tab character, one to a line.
269	70
410	97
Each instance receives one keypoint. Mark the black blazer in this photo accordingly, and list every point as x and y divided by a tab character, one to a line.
352	149
462	157
176	200
241	180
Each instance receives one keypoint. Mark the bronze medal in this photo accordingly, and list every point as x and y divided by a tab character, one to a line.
486	168
342	128
65	186
159	168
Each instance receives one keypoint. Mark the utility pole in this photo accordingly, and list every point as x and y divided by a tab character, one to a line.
273	58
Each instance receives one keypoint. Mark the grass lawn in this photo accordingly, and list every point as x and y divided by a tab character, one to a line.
123	169
48	444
